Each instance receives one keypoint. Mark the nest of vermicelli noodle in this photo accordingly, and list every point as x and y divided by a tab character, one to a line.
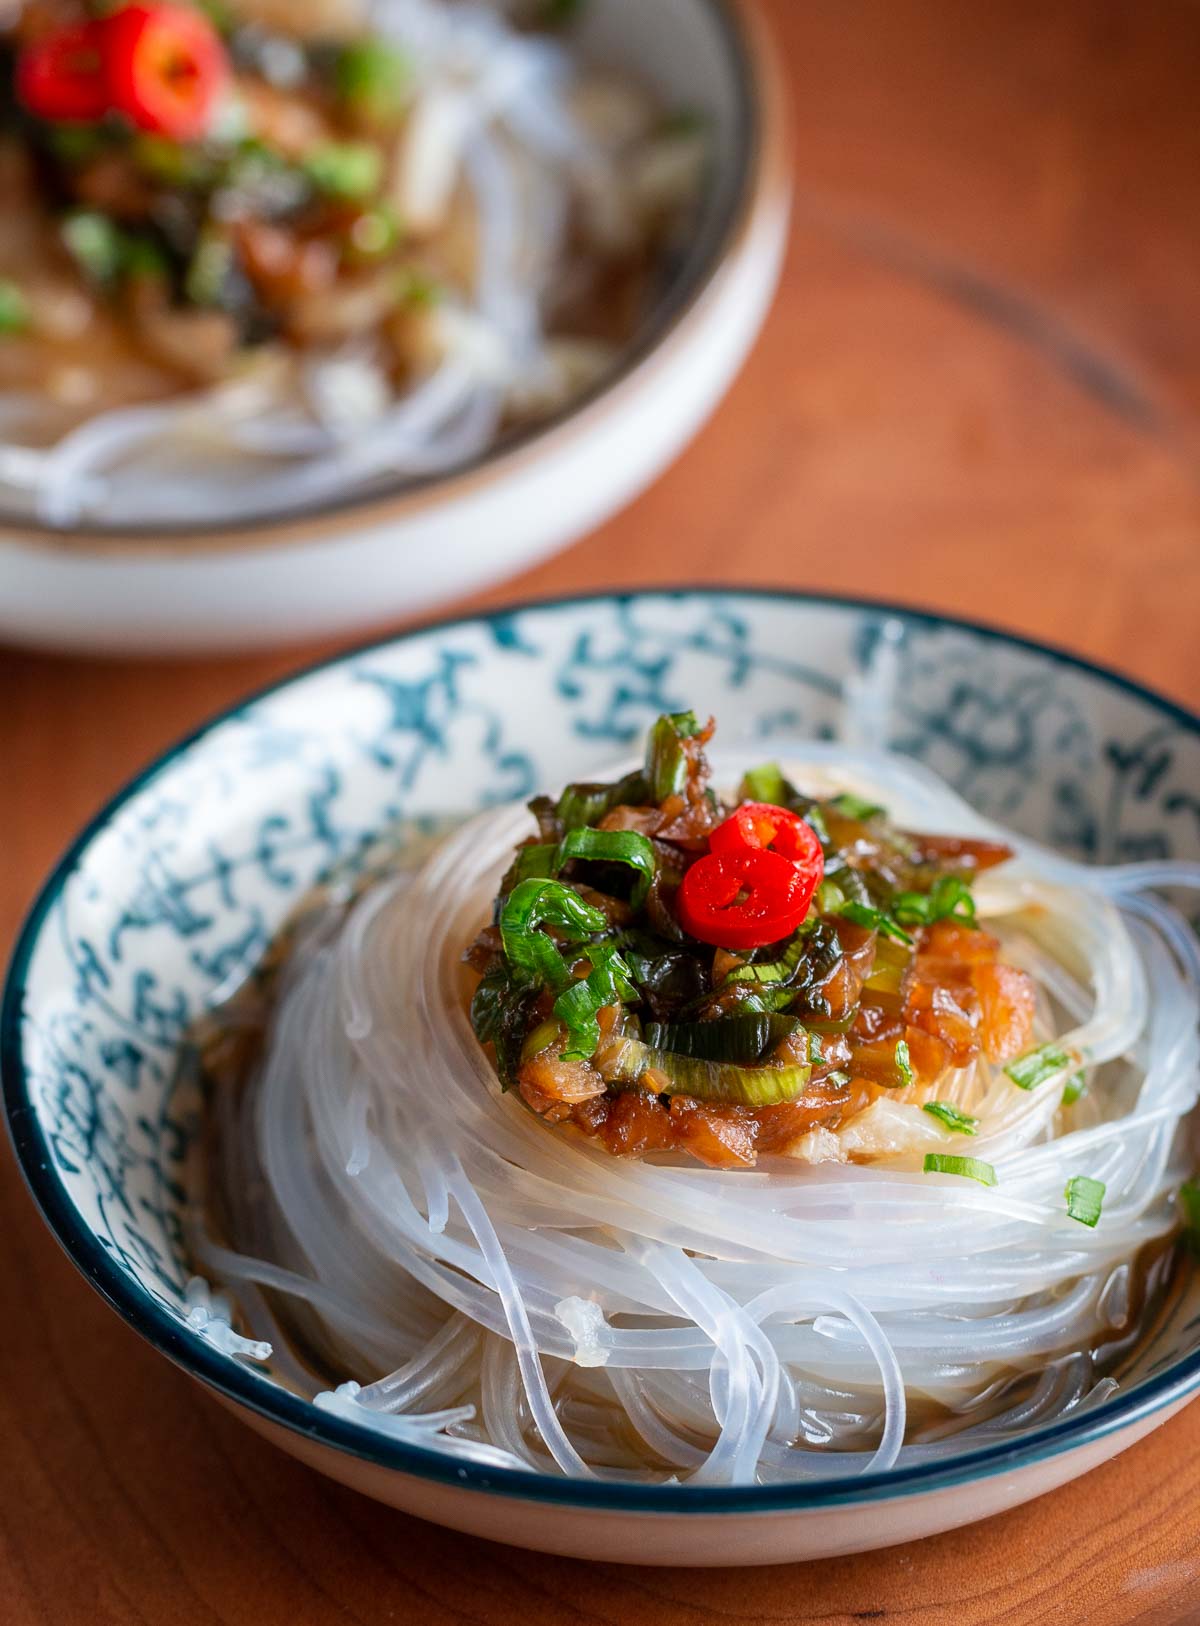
532	1301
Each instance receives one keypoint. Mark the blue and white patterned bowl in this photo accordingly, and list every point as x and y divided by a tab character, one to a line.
171	894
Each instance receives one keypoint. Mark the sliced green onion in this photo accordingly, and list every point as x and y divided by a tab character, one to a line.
345	169
416	289
74	143
863	914
961	1122
764	784
535	903
373	80
740	1038
904	1063
535	862
499	1014
14	308
815	820
577	1006
854	807
971	1168
1084	1198
1036	1066
142	257
541	1038
666	759
1189	1208
94	243
948	899
375	233
586	804
209	270
705	1080
1074	1089
612	847
770	971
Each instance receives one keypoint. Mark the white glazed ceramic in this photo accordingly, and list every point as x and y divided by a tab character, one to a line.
170	896
367	560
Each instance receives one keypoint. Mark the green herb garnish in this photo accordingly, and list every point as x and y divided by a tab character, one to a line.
14	308
209	270
1074	1089
373	80
612	847
960	1122
949	898
535	903
94	243
971	1168
1036	1066
854	807
765	784
1084	1198
417	289
350	170
862	914
666	759
904	1064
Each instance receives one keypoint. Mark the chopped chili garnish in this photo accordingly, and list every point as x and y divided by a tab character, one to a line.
61	76
166	69
761	826
743	899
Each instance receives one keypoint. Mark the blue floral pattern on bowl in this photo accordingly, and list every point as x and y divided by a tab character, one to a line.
170	897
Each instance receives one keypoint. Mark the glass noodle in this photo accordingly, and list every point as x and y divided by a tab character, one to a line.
512	1293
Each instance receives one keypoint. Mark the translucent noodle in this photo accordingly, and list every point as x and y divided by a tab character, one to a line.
509	1291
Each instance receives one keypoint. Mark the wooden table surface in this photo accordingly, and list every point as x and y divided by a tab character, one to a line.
980	391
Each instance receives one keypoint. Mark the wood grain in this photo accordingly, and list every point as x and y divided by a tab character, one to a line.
979	391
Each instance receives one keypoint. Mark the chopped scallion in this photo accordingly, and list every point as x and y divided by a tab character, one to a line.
1084	1198
372	79
613	847
94	243
345	169
855	807
948	899
765	784
904	1063
1036	1066
1074	1089
971	1168
862	914
960	1122
666	758
14	308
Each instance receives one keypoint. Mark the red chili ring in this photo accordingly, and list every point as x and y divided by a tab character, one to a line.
743	899
61	76
166	69
761	824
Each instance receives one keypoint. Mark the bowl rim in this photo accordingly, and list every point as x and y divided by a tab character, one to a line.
758	183
248	1388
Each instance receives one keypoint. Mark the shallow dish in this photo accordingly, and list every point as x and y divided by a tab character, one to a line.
360	560
170	895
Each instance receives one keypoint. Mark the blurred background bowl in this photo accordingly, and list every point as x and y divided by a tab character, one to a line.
361	561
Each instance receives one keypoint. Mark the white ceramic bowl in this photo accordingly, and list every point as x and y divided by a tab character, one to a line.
170	894
362	561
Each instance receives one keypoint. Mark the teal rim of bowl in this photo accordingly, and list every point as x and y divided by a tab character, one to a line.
277	1405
